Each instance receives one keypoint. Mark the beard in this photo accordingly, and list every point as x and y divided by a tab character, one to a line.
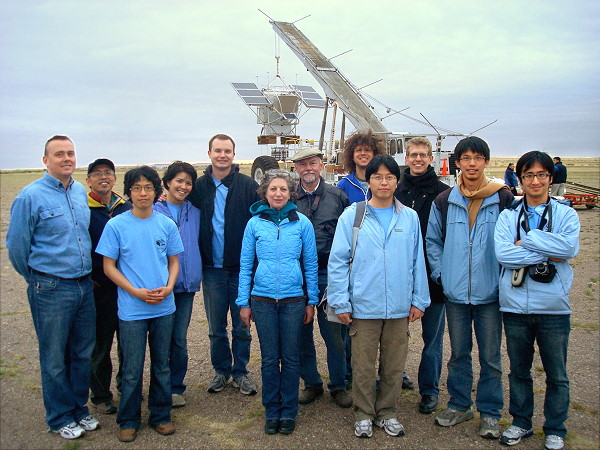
310	178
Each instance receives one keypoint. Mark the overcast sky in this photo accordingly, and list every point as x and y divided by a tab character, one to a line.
148	81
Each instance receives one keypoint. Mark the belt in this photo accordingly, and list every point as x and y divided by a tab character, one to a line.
37	272
258	298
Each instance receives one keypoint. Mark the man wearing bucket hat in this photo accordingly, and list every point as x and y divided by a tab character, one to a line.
322	203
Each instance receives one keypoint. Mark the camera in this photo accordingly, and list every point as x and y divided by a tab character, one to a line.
543	272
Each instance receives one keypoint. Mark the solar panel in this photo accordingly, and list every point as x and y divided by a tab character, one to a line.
237	86
314	103
256	101
310	97
250	94
290	116
303	88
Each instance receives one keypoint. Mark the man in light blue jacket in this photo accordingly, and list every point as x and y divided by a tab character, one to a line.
379	294
538	234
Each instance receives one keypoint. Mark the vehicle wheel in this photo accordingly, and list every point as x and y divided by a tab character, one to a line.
589	206
261	165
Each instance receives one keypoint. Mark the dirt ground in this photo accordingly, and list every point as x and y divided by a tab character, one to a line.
231	420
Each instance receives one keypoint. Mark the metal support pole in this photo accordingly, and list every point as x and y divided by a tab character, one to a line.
322	138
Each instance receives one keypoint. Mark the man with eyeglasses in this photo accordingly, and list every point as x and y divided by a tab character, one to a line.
417	189
460	251
104	204
377	293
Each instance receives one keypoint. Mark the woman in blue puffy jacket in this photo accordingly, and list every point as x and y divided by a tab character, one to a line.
281	242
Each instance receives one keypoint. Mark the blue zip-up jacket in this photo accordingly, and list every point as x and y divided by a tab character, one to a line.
286	255
465	262
537	246
388	273
353	189
190	261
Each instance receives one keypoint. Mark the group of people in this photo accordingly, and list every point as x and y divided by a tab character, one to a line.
382	249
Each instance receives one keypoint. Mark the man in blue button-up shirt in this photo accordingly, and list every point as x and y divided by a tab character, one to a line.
49	245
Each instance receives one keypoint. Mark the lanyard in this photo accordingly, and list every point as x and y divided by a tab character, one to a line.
525	222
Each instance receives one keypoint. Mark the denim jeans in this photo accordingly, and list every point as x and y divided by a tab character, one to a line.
279	326
487	321
433	324
220	289
178	359
107	324
336	352
133	335
64	317
551	331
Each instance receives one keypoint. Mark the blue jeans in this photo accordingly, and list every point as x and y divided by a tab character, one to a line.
552	334
178	359
487	321
64	317
336	352
220	289
278	326
433	324
133	335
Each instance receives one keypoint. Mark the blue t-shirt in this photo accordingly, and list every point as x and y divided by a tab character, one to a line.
174	210
534	214
385	217
141	248
218	223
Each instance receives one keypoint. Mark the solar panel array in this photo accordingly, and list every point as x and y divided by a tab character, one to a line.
310	97
250	94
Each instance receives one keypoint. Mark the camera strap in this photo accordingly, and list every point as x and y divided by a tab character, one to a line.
525	222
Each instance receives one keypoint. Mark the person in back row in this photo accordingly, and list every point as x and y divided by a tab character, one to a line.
460	251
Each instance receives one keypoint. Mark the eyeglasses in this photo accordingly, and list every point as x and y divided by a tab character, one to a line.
467	159
539	176
418	155
379	178
138	188
102	173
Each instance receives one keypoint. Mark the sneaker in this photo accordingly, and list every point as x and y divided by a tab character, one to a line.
218	383
554	442
391	426
164	428
514	434
309	395
363	428
178	400
246	385
342	398
89	423
105	407
451	417
70	431
489	428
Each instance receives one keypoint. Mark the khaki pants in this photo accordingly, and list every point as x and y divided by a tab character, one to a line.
390	336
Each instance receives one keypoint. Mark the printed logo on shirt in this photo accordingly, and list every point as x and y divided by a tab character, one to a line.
398	230
161	245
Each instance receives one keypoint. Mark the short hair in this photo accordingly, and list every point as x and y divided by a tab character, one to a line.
510	164
269	176
134	175
473	143
175	168
419	140
382	160
367	139
529	159
57	137
221	137
557	157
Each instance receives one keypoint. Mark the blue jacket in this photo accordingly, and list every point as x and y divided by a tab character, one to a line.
353	189
465	263
388	273
190	261
537	246
286	256
510	178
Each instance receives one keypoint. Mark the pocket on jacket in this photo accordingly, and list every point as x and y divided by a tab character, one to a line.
53	221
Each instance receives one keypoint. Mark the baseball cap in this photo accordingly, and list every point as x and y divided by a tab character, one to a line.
100	162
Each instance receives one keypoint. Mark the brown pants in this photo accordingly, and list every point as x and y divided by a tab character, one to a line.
390	336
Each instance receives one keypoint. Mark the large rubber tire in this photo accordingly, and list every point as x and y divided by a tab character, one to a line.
261	165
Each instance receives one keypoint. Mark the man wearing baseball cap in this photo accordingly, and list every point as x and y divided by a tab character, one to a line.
104	204
322	203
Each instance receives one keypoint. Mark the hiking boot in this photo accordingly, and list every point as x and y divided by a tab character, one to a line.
428	404
127	434
309	395
287	426
342	398
489	428
218	383
246	385
164	428
363	428
451	417
554	442
105	407
514	434
271	426
70	431
391	426
89	423
407	383
178	400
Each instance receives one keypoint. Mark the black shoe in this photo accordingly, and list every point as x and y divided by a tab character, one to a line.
342	398
407	383
428	404
309	395
287	426
271	426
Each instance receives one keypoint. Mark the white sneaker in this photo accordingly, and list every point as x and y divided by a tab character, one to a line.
513	435
89	423
391	426
178	400
363	428
554	442
70	431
